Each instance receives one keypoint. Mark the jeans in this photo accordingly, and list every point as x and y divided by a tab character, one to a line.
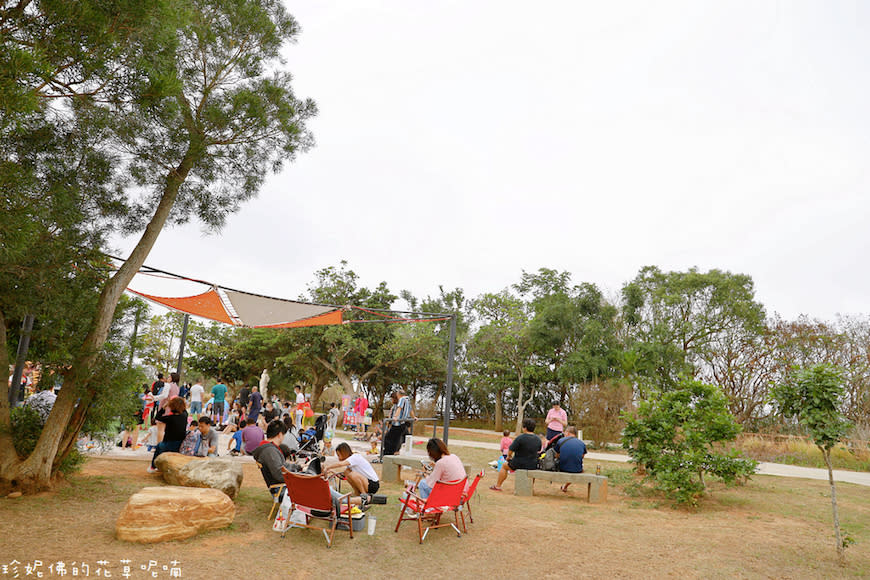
164	446
423	490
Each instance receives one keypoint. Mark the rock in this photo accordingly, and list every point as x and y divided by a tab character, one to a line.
14	495
223	474
160	514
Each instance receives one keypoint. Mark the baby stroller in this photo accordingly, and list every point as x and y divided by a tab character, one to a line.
310	439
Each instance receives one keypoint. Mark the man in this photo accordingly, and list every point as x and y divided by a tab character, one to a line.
269	455
522	454
251	436
300	413
571	451
556	421
255	403
400	416
209	436
219	392
244	396
357	470
196	392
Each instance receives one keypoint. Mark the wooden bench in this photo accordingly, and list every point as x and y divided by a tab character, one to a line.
393	464
596	485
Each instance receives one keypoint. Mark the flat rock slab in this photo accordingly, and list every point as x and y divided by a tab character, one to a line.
223	474
160	514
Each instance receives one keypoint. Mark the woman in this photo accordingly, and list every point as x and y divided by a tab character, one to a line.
171	429
448	467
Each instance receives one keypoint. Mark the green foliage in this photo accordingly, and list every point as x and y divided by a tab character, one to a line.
676	434
813	396
26	429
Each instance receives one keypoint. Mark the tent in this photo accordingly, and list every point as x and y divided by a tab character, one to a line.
239	308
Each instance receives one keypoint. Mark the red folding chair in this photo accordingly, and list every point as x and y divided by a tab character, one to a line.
465	500
445	497
311	495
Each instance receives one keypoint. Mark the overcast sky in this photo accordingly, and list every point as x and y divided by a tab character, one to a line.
459	143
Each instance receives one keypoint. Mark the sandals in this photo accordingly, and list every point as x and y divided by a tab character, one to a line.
564	488
494	488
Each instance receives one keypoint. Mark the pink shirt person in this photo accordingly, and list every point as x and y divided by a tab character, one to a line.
556	420
505	444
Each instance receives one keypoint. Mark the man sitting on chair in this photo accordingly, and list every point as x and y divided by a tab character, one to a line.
357	470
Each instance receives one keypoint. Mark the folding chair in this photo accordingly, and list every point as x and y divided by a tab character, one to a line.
276	490
445	497
465	500
311	495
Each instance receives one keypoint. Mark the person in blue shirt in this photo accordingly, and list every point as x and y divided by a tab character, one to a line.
570	450
237	440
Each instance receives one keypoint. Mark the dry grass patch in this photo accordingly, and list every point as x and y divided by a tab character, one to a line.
771	527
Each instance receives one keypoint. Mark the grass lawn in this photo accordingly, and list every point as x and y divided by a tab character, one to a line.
771	527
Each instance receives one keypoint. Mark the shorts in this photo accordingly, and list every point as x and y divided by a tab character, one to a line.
195	407
374	486
139	419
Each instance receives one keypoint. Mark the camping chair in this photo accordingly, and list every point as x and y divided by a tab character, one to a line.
276	490
311	495
445	497
465	502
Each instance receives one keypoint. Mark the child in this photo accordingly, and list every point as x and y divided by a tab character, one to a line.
237	438
151	439
505	443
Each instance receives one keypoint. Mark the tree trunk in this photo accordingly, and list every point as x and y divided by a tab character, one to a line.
841	553
521	407
35	472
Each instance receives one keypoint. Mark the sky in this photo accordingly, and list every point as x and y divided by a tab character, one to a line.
462	142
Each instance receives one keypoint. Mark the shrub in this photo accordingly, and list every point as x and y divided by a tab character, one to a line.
677	437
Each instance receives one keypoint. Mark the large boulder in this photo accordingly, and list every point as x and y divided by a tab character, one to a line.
160	514
223	474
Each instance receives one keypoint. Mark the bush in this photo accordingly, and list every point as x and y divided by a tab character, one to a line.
677	437
26	429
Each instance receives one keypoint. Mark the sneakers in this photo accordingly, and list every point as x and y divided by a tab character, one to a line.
364	501
152	469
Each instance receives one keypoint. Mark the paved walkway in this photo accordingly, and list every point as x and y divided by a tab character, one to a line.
775	469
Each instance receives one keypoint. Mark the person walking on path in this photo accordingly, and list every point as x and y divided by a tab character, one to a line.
557	420
255	404
219	392
196	392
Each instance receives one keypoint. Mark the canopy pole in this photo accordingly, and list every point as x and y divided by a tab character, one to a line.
181	346
448	396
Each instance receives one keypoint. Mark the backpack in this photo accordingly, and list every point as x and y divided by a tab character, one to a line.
192	445
549	462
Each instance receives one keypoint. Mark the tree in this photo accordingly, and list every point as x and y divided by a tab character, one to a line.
197	122
813	396
674	317
676	434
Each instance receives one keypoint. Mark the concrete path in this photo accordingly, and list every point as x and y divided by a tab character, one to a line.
776	469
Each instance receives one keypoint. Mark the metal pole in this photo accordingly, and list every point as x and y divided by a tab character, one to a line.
448	395
181	347
21	358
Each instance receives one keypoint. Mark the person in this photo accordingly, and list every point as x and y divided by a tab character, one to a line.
234	445
255	404
252	435
522	454
268	453
360	407
300	413
332	419
233	421
270	413
219	392
196	392
505	442
209	436
448	467
147	403
244	396
399	418
556	421
167	393
571	451
138	421
156	387
172	428
357	470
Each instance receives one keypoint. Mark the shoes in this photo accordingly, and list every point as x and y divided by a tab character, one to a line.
152	469
564	488
494	488
364	501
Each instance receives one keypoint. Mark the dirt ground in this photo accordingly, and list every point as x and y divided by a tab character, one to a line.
769	528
